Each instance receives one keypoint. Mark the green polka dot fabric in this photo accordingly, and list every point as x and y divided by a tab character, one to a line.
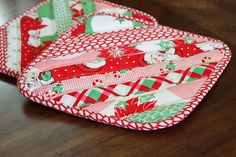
62	15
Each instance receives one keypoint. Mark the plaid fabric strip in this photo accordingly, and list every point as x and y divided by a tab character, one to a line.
199	72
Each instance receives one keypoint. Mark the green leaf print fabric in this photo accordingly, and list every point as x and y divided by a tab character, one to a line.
158	114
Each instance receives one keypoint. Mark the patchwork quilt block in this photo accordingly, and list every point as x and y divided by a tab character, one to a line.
26	36
146	77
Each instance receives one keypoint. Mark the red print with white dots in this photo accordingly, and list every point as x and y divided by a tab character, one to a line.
29	53
186	50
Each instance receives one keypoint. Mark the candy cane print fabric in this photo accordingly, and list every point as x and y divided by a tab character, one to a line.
26	36
143	78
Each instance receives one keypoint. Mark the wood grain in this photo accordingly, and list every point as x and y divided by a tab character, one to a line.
29	129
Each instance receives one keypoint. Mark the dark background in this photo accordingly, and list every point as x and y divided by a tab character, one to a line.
29	129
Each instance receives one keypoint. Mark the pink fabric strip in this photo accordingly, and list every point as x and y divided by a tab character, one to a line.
55	63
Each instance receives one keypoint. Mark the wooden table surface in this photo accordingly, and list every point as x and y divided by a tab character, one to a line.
28	129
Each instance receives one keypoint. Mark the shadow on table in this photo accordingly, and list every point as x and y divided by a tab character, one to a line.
8	79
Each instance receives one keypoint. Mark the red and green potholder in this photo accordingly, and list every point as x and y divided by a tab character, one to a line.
142	78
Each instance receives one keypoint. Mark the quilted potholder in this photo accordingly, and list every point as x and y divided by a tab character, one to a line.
26	36
144	78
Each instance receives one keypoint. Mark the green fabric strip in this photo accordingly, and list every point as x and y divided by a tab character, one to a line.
89	29
46	11
49	38
63	16
158	114
88	6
